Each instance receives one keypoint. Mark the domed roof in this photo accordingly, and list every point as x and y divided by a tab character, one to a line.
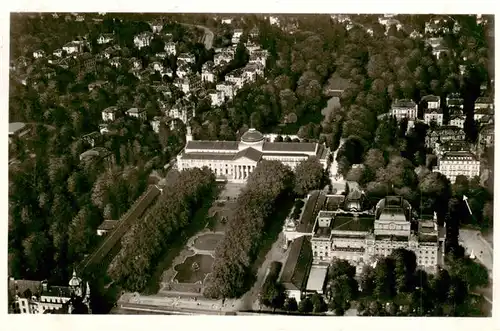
75	281
252	136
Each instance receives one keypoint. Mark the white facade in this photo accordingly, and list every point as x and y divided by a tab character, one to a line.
453	164
227	88
433	116
458	120
337	234
38	54
234	161
143	39
72	47
137	113
104	39
109	114
236	36
186	57
170	48
404	109
216	98
433	102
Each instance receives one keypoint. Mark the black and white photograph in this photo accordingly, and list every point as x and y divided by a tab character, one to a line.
251	164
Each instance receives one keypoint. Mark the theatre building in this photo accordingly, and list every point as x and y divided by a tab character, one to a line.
234	161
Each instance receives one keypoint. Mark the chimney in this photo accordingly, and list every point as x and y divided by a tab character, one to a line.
45	286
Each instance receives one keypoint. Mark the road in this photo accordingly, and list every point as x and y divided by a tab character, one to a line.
208	38
250	301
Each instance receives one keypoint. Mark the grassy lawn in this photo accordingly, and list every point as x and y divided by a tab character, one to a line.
187	274
208	241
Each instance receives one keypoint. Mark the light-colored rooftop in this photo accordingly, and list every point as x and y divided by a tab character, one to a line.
15	127
316	279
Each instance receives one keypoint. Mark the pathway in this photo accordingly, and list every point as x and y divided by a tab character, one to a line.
250	299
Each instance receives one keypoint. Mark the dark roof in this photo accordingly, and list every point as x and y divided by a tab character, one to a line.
434	111
404	103
296	269
291	147
57	291
313	205
350	223
208	156
249	153
207	144
286	154
108	225
20	286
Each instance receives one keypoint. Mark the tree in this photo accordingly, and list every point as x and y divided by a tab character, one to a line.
367	280
306	305
309	175
384	279
290	304
319	305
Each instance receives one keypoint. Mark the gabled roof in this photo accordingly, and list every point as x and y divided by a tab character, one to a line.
249	153
430	98
296	269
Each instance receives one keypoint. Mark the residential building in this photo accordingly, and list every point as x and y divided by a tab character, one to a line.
92	138
228	88
404	108
155	123
110	114
443	134
222	59
452	146
38	54
455	101
258	57
105	38
182	110
137	113
236	36
434	115
38	297
251	47
433	101
156	66
86	63
156	26
143	39
115	62
457	120
236	77
207	72
58	52
483	103
98	155
106	226
453	164
183	70
226	20
234	161
136	63
480	113
72	47
216	98
18	129
186	57
274	20
170	48
486	137
96	85
254	32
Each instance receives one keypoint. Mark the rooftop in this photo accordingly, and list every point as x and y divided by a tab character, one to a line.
212	145
404	103
135	111
313	205
352	223
249	153
15	127
316	280
291	146
252	136
108	225
295	271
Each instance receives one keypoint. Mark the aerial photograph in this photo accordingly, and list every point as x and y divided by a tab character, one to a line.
251	164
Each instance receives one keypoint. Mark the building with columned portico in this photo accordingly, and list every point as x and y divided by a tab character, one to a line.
234	161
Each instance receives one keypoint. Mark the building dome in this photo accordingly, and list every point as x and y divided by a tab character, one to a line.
75	281
252	136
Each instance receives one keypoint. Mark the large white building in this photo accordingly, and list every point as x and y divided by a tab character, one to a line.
234	161
433	115
455	163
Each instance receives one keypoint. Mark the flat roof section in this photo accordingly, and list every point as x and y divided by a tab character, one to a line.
317	278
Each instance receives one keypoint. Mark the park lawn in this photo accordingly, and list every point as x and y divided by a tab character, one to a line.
186	273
